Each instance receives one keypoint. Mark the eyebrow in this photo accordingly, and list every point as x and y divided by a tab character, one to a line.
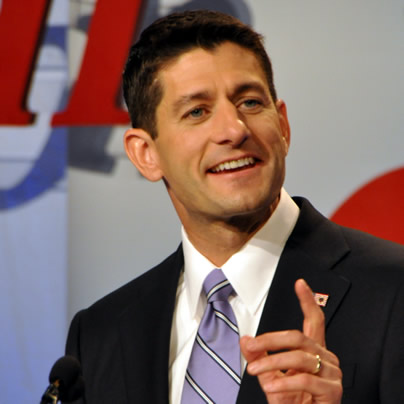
251	85
186	99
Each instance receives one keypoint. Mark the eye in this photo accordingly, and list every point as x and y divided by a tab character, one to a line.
196	113
251	103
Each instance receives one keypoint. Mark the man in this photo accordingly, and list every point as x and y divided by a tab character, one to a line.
206	119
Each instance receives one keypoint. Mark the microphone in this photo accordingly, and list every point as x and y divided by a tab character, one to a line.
66	381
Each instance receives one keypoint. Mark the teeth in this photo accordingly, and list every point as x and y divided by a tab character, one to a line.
231	165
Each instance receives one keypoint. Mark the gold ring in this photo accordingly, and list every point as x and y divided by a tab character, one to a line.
319	365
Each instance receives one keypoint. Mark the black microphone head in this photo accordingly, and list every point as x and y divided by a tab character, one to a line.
67	371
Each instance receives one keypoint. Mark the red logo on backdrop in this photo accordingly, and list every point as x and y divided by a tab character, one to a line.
377	208
93	100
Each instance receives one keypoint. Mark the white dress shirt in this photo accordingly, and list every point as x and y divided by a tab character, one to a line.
250	271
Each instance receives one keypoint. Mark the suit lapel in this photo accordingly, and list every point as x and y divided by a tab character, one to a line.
145	329
314	248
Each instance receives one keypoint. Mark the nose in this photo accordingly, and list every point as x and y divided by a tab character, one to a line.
230	128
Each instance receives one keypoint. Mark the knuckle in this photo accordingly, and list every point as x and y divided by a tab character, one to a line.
306	357
306	379
334	359
339	373
298	337
339	390
321	316
273	360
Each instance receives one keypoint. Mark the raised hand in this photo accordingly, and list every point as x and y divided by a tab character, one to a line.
305	371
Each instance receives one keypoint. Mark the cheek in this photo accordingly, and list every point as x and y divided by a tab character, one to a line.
265	126
273	136
177	158
190	150
272	141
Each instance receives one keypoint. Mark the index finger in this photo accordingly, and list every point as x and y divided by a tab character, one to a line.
314	323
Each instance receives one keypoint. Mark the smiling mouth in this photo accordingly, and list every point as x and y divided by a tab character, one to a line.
234	165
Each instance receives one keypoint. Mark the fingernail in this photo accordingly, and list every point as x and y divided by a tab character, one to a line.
252	367
251	344
305	284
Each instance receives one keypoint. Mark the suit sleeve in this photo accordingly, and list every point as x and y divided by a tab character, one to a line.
392	373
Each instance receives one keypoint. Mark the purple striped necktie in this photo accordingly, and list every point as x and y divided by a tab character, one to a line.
213	373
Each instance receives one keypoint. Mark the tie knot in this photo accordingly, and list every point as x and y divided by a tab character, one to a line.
217	287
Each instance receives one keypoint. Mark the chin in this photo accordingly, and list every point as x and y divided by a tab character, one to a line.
246	209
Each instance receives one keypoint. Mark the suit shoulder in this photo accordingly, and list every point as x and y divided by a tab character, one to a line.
359	250
377	251
363	240
162	274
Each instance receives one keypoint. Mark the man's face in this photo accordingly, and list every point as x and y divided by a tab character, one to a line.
222	141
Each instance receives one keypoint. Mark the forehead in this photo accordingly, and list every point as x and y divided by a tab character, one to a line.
226	66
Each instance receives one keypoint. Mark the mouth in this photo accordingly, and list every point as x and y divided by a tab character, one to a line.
234	165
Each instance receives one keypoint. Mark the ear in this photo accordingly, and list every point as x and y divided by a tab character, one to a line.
141	150
284	122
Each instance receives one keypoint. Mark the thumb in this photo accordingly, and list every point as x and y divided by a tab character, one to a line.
250	356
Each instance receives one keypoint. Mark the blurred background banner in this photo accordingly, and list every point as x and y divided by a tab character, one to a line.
77	220
33	195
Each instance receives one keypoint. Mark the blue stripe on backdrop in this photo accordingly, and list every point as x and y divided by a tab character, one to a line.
46	171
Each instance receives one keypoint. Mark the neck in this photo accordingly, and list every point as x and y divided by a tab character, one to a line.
218	240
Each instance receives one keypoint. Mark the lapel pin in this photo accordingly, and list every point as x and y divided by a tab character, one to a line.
321	299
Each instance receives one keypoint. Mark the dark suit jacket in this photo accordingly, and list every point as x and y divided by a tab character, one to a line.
122	341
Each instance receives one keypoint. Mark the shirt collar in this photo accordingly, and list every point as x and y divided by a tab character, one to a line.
250	270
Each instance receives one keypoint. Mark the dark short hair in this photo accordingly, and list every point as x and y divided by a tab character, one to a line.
169	37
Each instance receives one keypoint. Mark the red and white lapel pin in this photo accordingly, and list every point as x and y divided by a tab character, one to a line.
321	299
